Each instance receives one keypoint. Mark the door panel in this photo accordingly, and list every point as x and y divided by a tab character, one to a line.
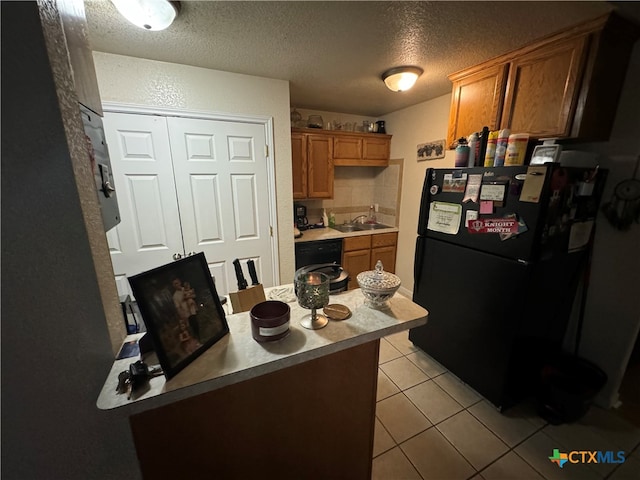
206	205
149	232
222	189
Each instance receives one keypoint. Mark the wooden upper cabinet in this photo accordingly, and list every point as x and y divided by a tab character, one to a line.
566	85
320	166
299	164
477	99
543	87
361	149
315	153
347	148
376	151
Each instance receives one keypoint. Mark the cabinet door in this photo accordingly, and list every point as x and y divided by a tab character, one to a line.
349	148
320	164
355	262
376	151
299	164
387	255
476	101
543	87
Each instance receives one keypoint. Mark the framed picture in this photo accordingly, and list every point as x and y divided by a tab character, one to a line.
430	150
181	309
545	153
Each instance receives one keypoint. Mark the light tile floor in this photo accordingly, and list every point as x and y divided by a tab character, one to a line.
430	425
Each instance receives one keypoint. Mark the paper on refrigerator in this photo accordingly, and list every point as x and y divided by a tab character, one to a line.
444	217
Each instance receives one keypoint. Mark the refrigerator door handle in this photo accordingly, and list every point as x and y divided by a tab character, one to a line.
423	217
417	263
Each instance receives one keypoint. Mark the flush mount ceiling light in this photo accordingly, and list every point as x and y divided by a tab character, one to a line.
399	79
148	14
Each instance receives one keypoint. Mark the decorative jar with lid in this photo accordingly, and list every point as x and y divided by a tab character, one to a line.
378	286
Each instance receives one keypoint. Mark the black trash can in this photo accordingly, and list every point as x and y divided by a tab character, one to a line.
568	385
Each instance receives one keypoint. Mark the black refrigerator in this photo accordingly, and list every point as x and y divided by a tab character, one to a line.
499	257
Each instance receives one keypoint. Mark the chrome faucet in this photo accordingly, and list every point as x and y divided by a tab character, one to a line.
354	220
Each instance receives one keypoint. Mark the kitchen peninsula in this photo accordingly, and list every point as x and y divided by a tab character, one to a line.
301	407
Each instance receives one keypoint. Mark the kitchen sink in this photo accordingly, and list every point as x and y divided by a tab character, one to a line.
346	228
359	227
372	226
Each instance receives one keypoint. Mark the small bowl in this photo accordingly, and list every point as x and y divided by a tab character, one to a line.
270	321
378	286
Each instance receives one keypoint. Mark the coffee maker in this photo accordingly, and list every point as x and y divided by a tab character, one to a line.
300	216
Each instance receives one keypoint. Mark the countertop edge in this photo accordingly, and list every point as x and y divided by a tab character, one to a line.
418	316
328	233
210	385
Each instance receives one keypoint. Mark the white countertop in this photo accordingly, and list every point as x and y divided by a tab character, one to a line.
238	357
330	233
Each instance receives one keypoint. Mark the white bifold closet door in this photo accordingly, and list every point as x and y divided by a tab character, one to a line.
189	185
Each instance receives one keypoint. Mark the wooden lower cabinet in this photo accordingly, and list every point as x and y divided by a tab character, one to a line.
314	420
361	253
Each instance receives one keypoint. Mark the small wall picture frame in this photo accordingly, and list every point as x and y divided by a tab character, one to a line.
432	150
545	154
181	310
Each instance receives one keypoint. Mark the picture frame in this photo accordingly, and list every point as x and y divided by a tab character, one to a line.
181	310
432	150
545	153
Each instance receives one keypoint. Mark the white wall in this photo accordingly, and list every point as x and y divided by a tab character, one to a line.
414	125
149	83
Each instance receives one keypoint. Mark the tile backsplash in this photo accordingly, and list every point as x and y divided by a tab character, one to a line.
357	188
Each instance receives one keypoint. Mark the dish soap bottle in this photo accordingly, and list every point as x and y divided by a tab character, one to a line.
332	219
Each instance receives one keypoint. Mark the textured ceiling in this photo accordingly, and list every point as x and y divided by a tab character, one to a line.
333	53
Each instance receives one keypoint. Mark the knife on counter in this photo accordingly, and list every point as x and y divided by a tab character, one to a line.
252	272
242	283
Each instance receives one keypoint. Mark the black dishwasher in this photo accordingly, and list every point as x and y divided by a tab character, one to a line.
318	251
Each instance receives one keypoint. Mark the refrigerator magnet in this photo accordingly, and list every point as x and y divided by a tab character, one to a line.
532	188
470	215
454	184
444	217
522	227
494	192
473	189
486	207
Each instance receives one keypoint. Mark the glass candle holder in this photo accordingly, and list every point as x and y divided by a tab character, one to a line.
313	293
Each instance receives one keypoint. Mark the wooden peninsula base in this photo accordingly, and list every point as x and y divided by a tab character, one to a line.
311	420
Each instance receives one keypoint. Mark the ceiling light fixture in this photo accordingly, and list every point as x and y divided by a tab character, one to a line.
148	14
399	79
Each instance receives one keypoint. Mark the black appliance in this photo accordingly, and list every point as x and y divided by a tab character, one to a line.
300	216
499	303
318	251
